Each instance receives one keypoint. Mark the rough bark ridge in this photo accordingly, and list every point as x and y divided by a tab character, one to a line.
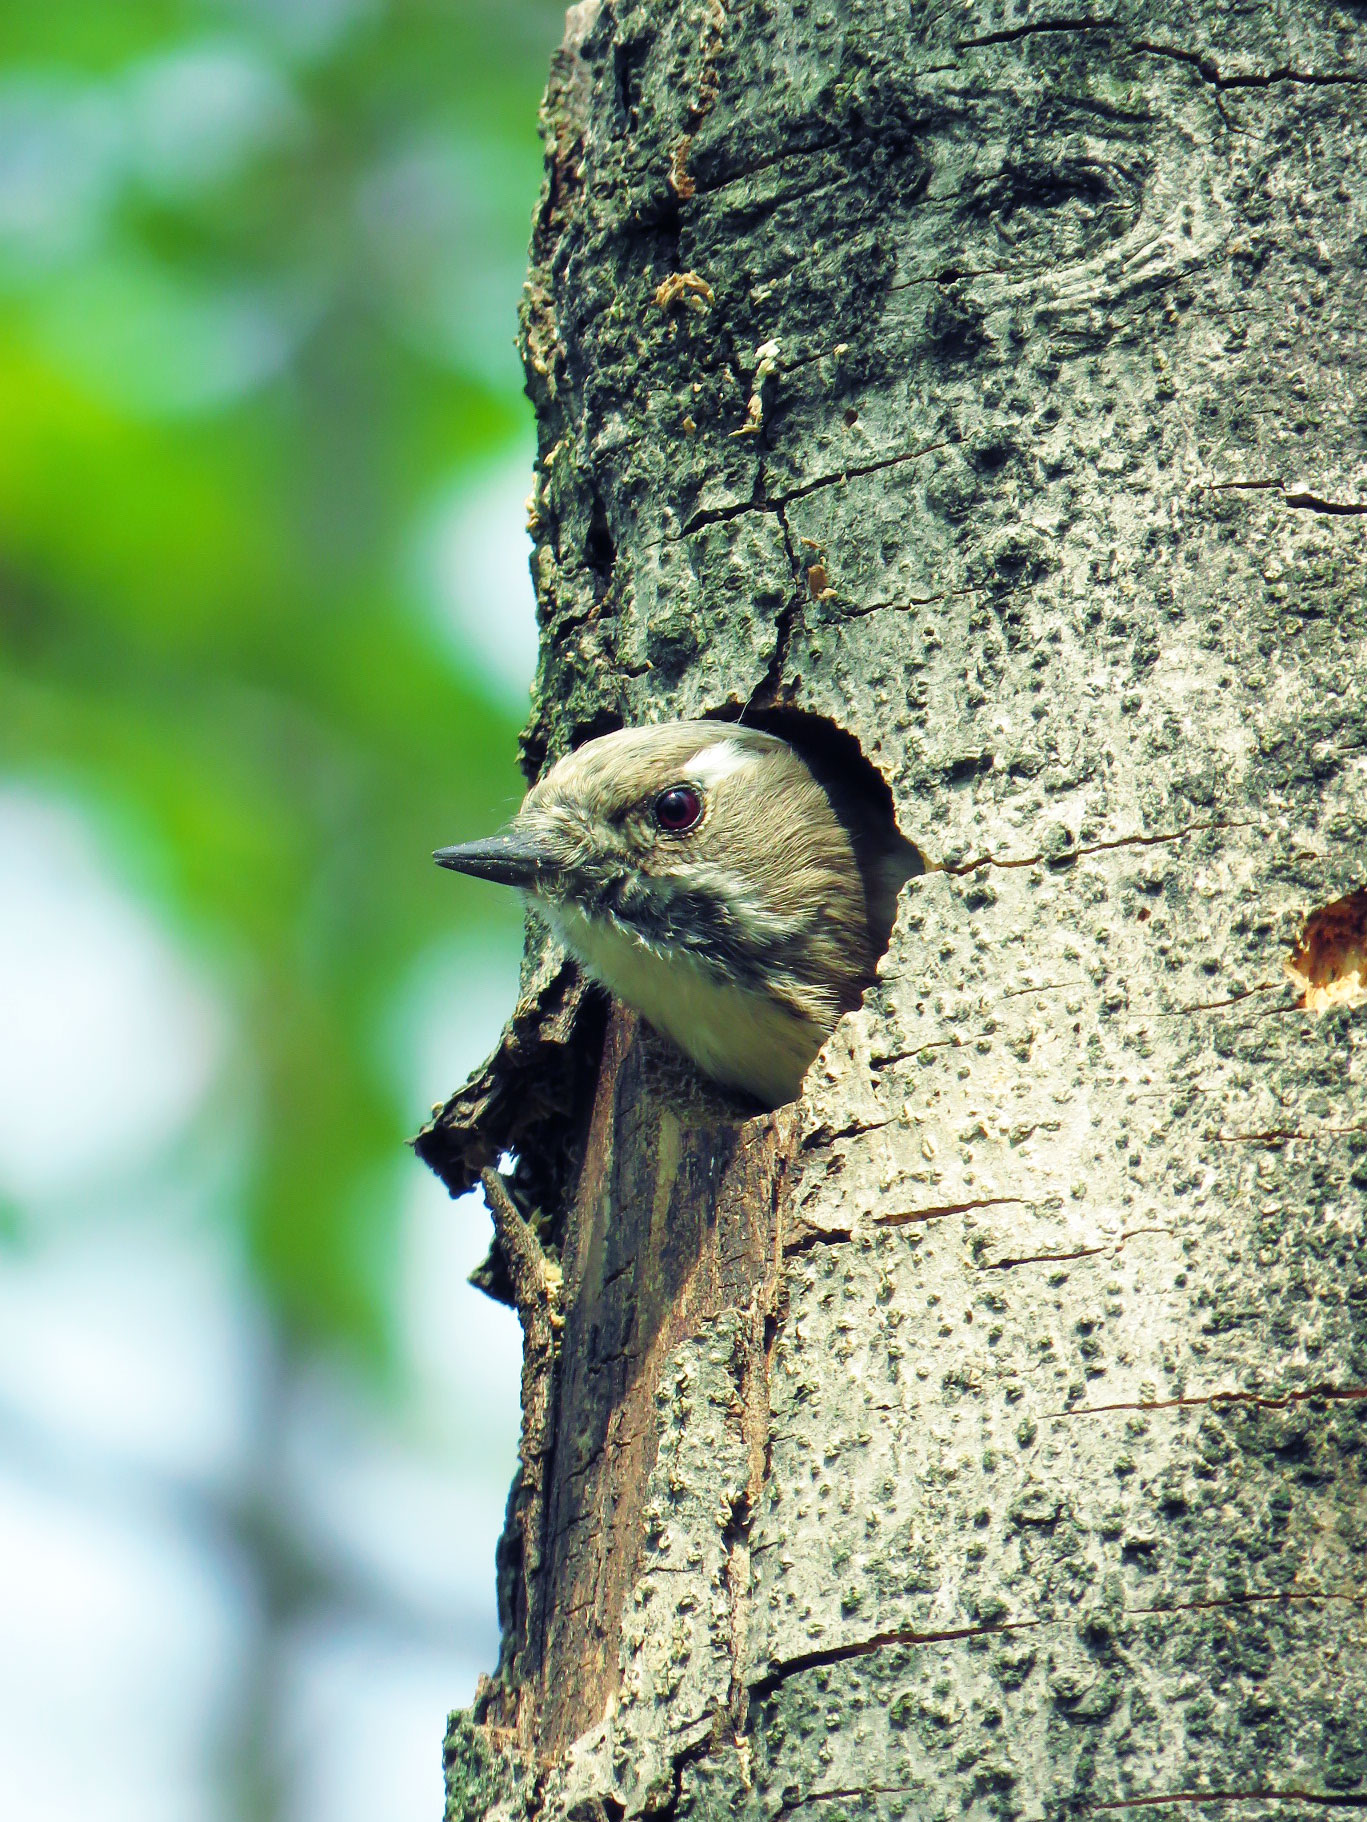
985	1434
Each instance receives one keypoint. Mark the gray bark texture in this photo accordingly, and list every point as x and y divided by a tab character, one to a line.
984	1434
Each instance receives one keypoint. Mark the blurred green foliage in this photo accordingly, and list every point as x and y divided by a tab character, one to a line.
259	264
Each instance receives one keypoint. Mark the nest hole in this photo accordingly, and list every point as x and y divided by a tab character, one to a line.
1329	962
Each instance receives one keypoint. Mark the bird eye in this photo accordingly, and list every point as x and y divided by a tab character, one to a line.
678	808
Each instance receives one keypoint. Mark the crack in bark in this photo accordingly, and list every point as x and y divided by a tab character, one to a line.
893	1790
855	470
779	1673
1277	1012
1083	1252
843	1236
818	1236
684	1757
1332	1799
950	275
721	515
1234	999
1006	1265
895	607
904	1218
1014	993
905	1056
1252	1600
909	606
1262	1401
767	689
1209	71
1306	501
1066	856
1013	34
837	1796
821	1136
1302	499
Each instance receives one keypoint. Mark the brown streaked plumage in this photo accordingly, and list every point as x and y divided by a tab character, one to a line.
743	931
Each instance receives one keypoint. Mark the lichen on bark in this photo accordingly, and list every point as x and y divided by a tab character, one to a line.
983	1435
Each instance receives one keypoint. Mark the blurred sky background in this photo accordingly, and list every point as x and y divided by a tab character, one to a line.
265	639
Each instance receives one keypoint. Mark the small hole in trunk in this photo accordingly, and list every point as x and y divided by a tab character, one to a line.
1329	963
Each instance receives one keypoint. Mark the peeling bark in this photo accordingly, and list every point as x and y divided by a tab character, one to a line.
983	1435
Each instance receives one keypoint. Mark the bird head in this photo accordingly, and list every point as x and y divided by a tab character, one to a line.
707	844
703	838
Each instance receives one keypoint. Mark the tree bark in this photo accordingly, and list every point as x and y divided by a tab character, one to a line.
983	1434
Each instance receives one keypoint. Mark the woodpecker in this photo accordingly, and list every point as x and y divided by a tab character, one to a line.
705	875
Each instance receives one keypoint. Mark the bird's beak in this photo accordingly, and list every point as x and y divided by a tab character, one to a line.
513	857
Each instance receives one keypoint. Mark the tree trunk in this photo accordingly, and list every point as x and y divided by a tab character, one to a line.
983	1434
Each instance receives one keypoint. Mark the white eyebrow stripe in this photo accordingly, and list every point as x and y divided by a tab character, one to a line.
719	761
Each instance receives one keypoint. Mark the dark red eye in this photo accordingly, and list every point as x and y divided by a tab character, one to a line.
678	808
